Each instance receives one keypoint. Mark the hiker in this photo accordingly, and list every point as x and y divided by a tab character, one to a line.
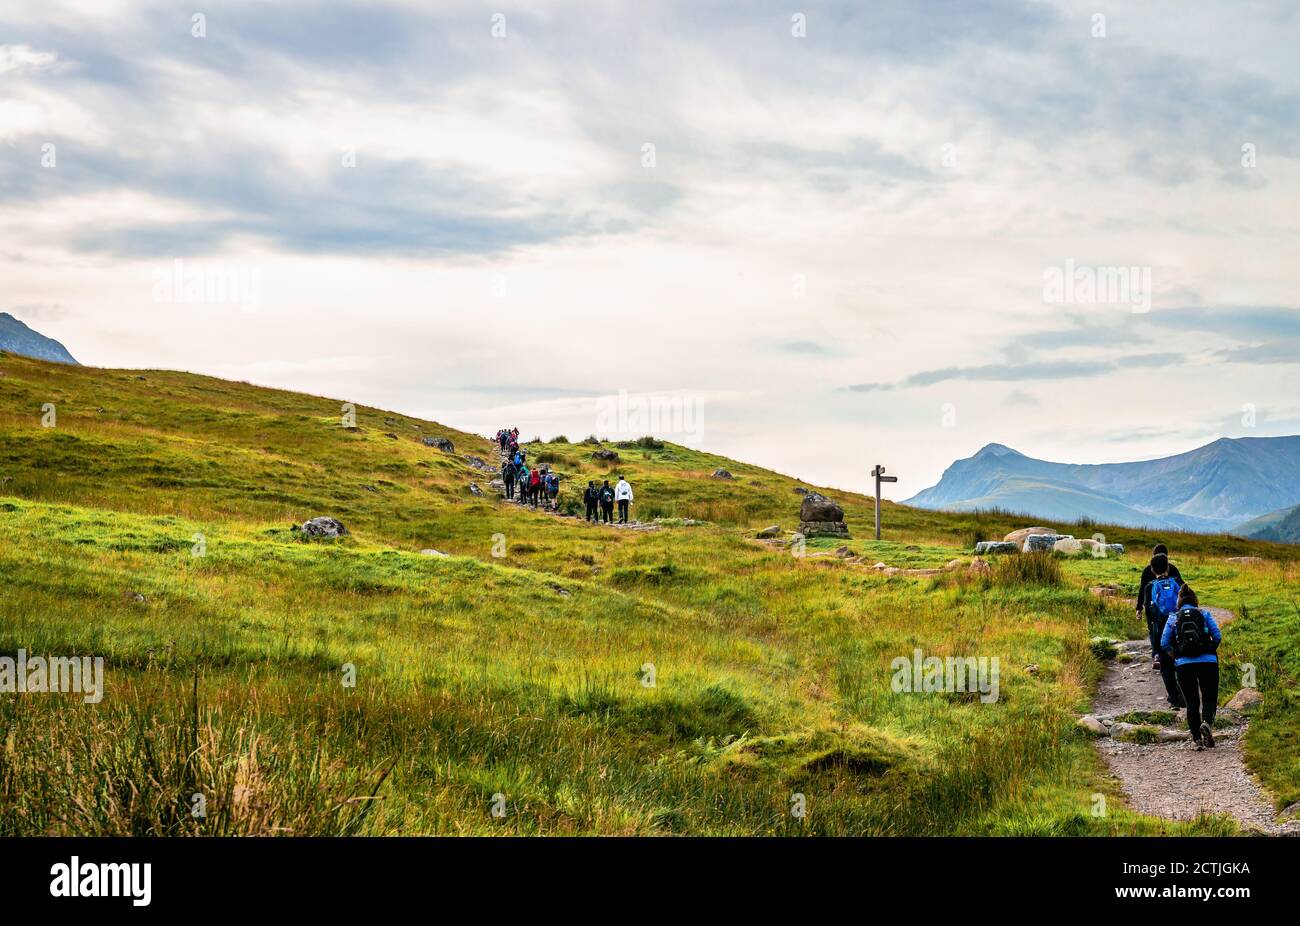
553	490
1157	600
1190	639
1154	628
606	497
589	497
623	494
534	487
508	477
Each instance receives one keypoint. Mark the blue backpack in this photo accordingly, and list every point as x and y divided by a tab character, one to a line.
1164	595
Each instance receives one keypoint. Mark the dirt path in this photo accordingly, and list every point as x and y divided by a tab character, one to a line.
1171	778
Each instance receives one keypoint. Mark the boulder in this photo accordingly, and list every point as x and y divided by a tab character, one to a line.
722	474
979	567
987	547
324	527
609	456
800	490
1018	536
440	442
1116	549
1245	700
817	507
1069	546
1043	543
773	531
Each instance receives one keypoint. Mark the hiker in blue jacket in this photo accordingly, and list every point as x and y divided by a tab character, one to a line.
1158	599
1190	639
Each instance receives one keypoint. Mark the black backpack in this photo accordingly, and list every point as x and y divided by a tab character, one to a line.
1191	634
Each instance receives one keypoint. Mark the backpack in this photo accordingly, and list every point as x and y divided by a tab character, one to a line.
1191	635
1164	595
606	495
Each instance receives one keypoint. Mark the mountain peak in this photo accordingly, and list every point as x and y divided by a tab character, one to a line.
996	450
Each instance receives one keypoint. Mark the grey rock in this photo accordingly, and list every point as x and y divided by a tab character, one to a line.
817	507
440	442
986	547
324	527
1043	543
772	531
814	528
1093	725
722	474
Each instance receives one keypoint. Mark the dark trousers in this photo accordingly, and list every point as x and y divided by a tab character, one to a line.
591	511
510	488
622	511
1155	628
1200	684
606	513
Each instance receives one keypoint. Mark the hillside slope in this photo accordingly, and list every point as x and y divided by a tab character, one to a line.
686	679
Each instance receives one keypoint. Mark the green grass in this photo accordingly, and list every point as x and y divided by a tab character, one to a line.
526	674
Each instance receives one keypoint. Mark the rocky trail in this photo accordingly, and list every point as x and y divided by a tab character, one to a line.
1151	753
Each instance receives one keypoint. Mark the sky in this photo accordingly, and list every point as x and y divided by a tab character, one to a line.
815	237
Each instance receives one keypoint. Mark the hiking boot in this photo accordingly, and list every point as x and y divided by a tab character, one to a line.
1155	664
1207	735
1196	744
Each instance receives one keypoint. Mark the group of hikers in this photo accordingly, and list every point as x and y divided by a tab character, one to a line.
540	485
1184	639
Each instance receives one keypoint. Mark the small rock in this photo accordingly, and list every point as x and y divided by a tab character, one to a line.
605	455
1173	736
843	552
1031	669
1093	725
324	527
474	489
800	490
953	564
722	474
1246	560
1245	700
772	531
440	442
880	566
979	567
432	552
134	596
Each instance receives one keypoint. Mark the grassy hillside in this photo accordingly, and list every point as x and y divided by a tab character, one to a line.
520	665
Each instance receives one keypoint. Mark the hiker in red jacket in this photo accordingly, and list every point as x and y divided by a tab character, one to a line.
534	486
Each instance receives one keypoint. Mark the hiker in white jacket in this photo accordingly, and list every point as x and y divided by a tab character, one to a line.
622	495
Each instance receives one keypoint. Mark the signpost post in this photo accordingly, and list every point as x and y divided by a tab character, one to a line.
879	473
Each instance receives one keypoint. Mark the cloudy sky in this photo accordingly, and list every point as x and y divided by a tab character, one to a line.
834	235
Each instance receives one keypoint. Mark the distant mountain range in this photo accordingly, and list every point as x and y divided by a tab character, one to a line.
19	339
1282	526
1233	485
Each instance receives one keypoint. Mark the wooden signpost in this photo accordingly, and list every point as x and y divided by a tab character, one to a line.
879	473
